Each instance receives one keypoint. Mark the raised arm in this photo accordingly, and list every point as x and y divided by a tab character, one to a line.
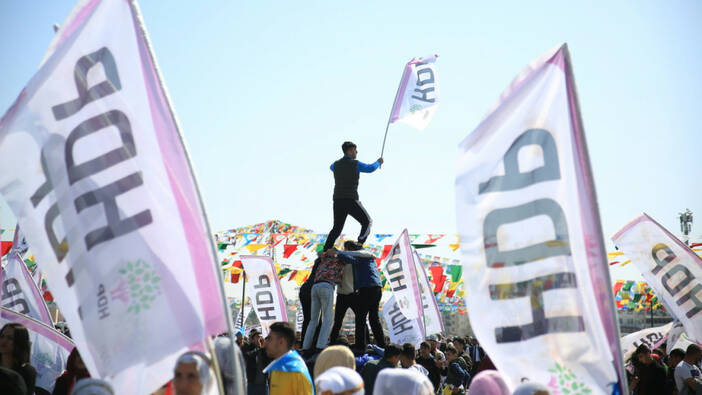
366	168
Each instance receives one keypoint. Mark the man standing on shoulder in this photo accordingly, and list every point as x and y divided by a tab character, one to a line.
288	374
687	374
346	174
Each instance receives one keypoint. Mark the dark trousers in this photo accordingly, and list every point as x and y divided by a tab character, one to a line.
342	209
306	302
369	301
343	303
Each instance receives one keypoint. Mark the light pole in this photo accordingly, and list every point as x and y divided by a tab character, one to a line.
686	224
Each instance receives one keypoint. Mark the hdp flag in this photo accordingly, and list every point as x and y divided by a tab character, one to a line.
535	270
95	169
418	95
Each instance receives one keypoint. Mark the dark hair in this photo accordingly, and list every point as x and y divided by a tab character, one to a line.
342	341
450	348
678	353
284	330
692	349
351	245
424	344
392	350
409	351
21	344
347	146
461	341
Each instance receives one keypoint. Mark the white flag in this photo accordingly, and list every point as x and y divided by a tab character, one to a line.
50	349
263	288
399	270
673	335
20	293
242	315
535	272
673	270
400	328
418	95
432	316
651	337
96	172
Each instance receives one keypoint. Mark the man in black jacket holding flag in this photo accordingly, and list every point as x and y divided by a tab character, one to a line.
346	174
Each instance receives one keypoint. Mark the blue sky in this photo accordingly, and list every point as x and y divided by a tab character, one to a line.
267	91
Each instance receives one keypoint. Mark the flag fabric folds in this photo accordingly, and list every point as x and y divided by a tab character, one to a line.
432	317
418	95
49	351
400	272
671	268
531	244
264	290
651	337
99	179
20	293
400	328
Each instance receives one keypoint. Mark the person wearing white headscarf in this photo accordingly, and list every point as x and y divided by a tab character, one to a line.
90	386
192	375
402	382
339	380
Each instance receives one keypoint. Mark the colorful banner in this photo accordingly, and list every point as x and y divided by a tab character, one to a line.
670	268
652	337
400	271
432	317
400	328
99	179
533	254
418	95
264	291
20	293
50	349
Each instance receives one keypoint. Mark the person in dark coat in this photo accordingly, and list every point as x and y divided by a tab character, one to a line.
15	349
346	174
649	374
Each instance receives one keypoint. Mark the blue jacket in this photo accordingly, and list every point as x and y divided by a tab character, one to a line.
365	270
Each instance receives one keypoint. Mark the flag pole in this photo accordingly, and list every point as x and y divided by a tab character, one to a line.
418	267
387	126
218	271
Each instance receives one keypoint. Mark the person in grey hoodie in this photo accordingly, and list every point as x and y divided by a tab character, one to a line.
366	280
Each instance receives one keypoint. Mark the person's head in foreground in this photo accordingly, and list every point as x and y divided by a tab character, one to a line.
92	387
334	356
11	383
424	349
451	353
339	380
642	355
14	344
280	339
392	353
192	374
693	354
402	382
531	388
675	357
488	382
408	355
